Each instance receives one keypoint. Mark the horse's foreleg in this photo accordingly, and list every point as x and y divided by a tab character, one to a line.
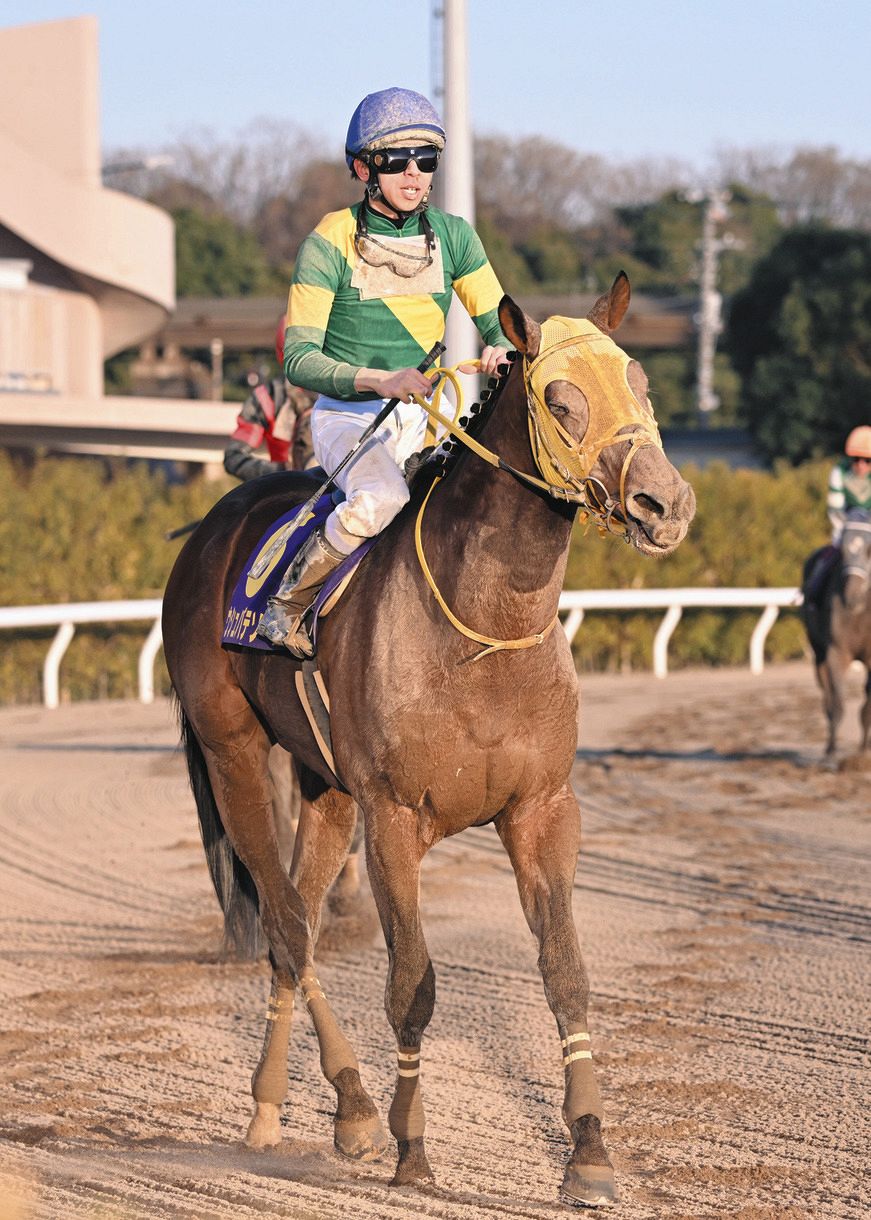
542	841
326	829
393	855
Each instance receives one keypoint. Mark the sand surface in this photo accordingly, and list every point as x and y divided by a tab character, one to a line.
723	903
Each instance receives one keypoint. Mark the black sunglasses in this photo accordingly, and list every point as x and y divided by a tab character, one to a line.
395	160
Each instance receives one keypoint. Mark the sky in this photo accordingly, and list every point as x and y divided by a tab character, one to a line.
640	78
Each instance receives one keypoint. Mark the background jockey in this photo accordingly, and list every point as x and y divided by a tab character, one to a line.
850	480
368	299
278	413
849	487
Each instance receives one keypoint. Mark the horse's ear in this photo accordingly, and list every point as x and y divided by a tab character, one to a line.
610	309
523	331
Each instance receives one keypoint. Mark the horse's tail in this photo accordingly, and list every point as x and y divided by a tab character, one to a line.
243	934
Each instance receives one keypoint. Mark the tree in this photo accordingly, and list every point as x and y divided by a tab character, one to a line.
808	184
799	335
665	237
216	258
283	221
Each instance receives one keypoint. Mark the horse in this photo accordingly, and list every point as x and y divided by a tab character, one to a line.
838	623
432	733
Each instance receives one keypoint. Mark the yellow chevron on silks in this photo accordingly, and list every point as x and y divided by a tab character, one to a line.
338	229
479	291
421	317
309	305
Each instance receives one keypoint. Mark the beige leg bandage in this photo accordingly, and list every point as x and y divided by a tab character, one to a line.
406	1116
336	1052
582	1093
269	1082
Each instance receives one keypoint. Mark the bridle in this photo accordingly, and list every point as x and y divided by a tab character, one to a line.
578	352
564	463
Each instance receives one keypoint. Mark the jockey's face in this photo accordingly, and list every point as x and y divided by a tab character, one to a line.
862	465
402	192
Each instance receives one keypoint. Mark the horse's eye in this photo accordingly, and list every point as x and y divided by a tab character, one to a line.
559	409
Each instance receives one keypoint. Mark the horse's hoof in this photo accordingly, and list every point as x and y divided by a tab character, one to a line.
360	1139
264	1130
413	1167
589	1186
589	1177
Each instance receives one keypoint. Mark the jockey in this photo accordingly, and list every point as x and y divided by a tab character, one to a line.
849	487
850	480
279	413
368	299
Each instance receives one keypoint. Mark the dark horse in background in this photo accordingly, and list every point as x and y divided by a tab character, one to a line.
838	623
427	739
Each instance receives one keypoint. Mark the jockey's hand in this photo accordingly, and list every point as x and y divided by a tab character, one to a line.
491	358
402	384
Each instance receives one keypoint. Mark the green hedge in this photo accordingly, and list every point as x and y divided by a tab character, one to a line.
752	528
80	530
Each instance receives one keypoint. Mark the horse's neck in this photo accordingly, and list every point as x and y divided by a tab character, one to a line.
509	544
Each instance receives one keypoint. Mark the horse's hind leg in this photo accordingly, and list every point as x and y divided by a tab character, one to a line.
235	748
286	798
866	711
325	832
346	888
830	675
323	835
542	840
393	854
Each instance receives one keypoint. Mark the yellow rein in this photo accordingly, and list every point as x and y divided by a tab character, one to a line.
492	645
432	409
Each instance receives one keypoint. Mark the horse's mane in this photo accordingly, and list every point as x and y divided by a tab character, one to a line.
450	454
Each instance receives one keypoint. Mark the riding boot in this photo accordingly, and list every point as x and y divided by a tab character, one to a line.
282	621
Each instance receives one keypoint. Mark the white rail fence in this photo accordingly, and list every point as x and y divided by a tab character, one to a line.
573	606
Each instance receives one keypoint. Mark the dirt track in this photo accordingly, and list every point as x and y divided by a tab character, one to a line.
723	901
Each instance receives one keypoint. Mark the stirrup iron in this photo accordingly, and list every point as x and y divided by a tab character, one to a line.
283	619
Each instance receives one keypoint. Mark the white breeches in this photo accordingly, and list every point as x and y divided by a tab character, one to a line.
374	483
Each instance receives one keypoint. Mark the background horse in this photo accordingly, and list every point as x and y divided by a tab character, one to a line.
431	732
838	623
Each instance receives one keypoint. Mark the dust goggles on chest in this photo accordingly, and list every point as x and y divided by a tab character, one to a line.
396	160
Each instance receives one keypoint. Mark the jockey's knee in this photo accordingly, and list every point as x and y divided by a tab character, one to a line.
366	513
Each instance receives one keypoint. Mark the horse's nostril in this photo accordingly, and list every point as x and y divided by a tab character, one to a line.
643	505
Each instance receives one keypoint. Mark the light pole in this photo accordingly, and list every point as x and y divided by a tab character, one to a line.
710	317
457	187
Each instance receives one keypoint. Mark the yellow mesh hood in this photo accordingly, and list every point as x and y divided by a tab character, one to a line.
575	350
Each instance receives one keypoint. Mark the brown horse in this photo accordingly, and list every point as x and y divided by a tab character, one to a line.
426	742
838	623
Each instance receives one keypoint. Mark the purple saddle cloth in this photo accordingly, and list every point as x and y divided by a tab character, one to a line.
251	594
